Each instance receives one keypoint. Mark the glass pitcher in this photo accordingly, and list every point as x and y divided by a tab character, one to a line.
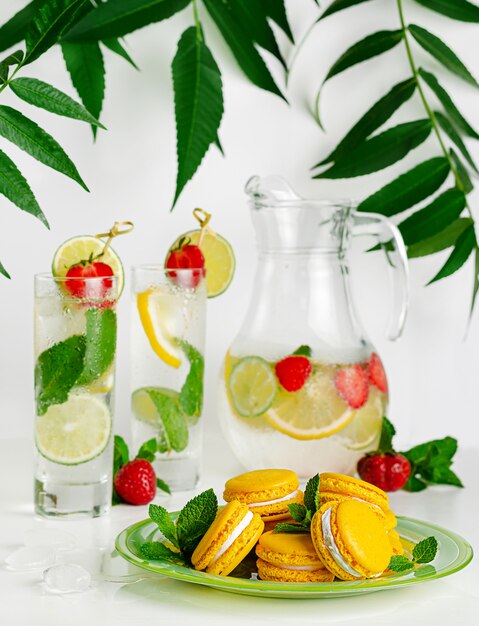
302	387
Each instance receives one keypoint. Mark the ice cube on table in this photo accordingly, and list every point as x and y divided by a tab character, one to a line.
66	578
58	539
31	557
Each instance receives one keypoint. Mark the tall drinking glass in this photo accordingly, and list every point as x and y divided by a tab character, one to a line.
167	366
75	345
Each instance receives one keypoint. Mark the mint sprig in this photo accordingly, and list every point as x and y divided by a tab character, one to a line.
303	350
302	513
424	552
311	494
191	394
431	464
155	550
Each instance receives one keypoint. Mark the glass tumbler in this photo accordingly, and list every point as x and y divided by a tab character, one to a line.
167	368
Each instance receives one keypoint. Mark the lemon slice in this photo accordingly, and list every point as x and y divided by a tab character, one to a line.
365	429
73	432
252	386
220	261
161	318
313	412
83	248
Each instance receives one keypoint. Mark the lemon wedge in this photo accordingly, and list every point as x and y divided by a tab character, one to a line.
364	430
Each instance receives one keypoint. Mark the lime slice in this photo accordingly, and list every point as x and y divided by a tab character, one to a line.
220	261
161	317
159	407
364	430
252	386
74	432
83	248
313	412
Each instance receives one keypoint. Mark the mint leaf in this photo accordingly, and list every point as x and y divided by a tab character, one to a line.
173	426
155	550
311	494
57	370
387	433
194	520
303	351
162	518
414	484
425	551
191	394
400	563
431	464
148	450
100	344
284	527
163	486
121	456
297	511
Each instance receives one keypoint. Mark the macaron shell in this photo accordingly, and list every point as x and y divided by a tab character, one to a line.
278	511
342	484
390	520
261	485
271	524
395	542
288	549
268	571
387	517
320	547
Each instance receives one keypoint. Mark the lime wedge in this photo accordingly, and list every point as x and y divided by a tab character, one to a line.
82	248
74	432
364	431
252	386
220	260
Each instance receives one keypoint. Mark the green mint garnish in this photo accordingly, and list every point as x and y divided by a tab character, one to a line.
194	520
163	486
302	513
174	429
148	450
297	511
191	394
303	351
400	563
162	519
155	550
284	527
387	433
57	371
100	344
311	494
431	464
424	552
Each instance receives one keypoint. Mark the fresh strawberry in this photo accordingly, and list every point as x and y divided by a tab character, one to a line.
389	472
353	385
293	371
89	269
186	256
376	373
135	482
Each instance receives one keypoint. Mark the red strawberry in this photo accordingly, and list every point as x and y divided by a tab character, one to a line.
293	372
352	385
87	269
186	256
377	375
135	482
389	472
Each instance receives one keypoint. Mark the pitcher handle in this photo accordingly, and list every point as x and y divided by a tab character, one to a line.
387	233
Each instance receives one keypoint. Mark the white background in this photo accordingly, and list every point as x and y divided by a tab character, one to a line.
131	174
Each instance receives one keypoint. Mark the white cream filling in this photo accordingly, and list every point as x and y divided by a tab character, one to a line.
233	536
300	568
275	501
332	547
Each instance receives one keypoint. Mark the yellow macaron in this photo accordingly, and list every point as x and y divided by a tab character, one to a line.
351	540
395	541
228	540
289	558
266	492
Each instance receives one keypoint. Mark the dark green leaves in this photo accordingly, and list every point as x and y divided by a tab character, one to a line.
311	494
443	240
387	434
157	551
463	248
303	350
100	344
340	5
455	137
174	429
3	271
194	520
425	551
400	563
198	103
191	394
431	464
380	151
442	53
43	95
14	30
457	9
297	511
21	131
162	518
117	18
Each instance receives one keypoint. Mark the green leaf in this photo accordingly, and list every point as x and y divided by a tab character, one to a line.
163	520
303	350
462	251
15	58
3	271
440	51
148	450
3	73
29	137
408	189
434	218
194	520
118	48
100	344
387	433
15	28
191	394
457	9
441	241
380	151
449	106
14	187
84	62
464	180
48	22
311	494
117	18
174	429
430	464
57	370
297	511
454	136
157	551
414	484
121	454
241	41
160	484
285	527
377	115
340	5
400	563
276	10
43	95
475	285
198	104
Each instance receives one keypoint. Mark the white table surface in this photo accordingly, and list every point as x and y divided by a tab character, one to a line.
157	600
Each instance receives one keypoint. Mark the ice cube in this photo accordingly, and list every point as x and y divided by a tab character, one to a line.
66	578
31	557
58	539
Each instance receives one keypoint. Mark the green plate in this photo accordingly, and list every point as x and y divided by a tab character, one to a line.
454	553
